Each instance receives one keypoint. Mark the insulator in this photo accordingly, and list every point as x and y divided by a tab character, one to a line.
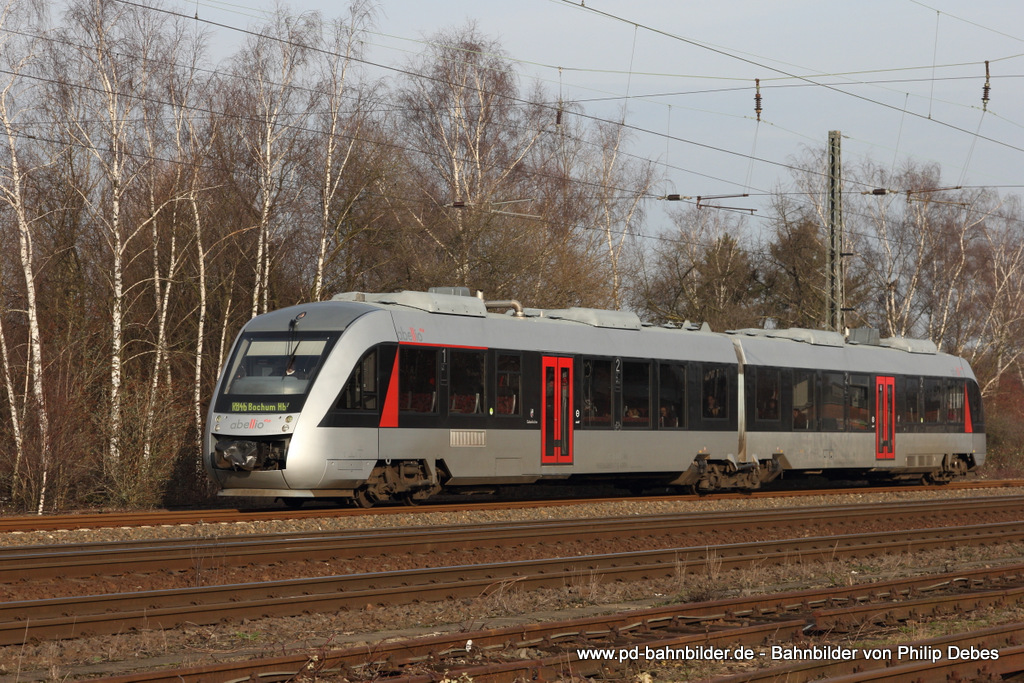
757	98
986	89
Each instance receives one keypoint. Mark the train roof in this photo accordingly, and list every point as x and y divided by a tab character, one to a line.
792	347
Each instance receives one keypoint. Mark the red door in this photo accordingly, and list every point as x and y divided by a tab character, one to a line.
885	418
556	418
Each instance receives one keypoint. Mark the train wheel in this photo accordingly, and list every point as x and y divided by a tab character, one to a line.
293	503
363	499
409	500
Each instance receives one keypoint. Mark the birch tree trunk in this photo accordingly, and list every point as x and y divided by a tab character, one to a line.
111	47
340	48
270	66
621	189
12	191
16	489
191	146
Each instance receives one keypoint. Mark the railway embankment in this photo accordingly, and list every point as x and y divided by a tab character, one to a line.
110	600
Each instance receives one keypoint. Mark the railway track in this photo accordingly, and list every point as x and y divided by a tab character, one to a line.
754	623
29	523
79	560
63	618
663	546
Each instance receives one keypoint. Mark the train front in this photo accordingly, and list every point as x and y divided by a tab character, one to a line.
281	377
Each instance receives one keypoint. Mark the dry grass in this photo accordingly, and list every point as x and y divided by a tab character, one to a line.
57	661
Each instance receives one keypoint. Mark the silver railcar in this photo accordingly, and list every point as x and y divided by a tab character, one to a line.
397	396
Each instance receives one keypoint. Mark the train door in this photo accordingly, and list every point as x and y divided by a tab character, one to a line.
556	418
885	418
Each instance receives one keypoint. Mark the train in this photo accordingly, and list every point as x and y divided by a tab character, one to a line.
371	397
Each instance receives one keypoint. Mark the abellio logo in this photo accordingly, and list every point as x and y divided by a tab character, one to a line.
410	335
249	424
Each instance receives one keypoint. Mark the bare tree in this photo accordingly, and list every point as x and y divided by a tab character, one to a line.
792	267
16	55
569	264
269	70
108	142
621	186
14	407
166	255
192	145
114	48
471	134
701	272
997	318
919	244
341	124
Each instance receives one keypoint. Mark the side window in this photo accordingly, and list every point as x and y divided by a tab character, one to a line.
974	404
671	396
767	386
417	379
832	402
715	393
933	400
468	393
910	407
508	400
636	395
805	411
597	392
861	397
955	400
360	390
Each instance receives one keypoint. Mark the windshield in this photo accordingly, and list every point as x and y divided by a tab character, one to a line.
272	373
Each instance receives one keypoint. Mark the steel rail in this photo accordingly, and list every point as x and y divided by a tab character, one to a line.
1011	661
103	614
355	660
1005	638
389	658
565	666
93	559
66	522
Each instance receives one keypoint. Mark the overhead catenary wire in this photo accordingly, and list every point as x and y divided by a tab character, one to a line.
638	26
668	138
635	25
409	73
592	117
808	79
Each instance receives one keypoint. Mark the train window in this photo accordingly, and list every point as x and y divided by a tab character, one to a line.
804	408
767	385
672	396
861	395
360	391
933	400
272	366
715	393
636	395
909	405
597	392
832	402
955	401
417	379
508	399
974	405
467	393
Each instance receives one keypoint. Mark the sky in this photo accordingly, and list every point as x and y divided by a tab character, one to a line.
901	79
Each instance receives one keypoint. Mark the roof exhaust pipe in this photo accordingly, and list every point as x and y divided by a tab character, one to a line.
507	303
